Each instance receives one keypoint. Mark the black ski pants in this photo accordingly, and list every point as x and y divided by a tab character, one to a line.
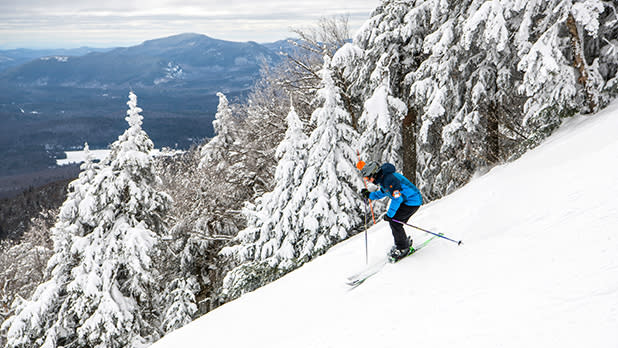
402	214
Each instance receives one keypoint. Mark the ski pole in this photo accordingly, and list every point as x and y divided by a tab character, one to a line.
366	243
424	230
370	204
359	166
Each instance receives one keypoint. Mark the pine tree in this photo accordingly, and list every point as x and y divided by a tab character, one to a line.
185	257
214	182
216	149
273	222
35	322
486	120
374	69
181	303
112	295
220	157
312	207
382	121
208	201
102	280
393	43
558	78
330	207
465	72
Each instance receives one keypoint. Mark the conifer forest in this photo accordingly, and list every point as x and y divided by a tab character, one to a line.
444	90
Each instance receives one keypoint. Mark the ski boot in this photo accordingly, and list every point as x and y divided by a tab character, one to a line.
398	254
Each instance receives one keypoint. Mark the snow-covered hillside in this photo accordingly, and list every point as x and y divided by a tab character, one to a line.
538	267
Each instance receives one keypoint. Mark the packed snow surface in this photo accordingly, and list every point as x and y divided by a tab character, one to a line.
538	267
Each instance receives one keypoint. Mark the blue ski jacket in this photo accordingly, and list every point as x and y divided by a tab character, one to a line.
396	187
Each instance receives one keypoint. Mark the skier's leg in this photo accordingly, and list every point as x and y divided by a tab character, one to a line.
399	234
406	212
401	239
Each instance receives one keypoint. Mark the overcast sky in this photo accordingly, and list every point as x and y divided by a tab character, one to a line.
109	23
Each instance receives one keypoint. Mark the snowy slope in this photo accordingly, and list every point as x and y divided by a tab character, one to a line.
539	267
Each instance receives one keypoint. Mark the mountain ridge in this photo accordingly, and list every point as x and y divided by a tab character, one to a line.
186	60
14	57
59	99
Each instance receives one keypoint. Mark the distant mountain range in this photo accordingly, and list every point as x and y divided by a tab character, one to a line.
186	61
16	57
54	100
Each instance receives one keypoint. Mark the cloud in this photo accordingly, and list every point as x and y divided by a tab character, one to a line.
121	23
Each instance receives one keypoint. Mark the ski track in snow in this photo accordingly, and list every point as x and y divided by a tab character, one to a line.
538	267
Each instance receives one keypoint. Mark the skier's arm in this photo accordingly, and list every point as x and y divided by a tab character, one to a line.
395	195
396	201
375	195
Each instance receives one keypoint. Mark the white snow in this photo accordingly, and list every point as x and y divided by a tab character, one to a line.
60	59
587	14
539	266
99	155
172	72
80	156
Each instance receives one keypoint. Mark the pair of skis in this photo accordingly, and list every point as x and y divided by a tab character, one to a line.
358	278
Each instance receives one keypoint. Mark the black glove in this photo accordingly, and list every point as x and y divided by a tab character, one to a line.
387	218
364	193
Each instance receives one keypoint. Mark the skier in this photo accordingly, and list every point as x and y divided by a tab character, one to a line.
405	201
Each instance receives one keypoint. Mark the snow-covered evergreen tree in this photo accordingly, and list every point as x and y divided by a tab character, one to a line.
382	121
113	284
186	257
559	77
274	224
312	207
102	280
181	303
391	45
216	149
221	183
474	134
210	186
35	322
330	207
466	71
374	66
22	265
208	199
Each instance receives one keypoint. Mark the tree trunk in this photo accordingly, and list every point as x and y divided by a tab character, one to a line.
409	145
579	61
493	135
